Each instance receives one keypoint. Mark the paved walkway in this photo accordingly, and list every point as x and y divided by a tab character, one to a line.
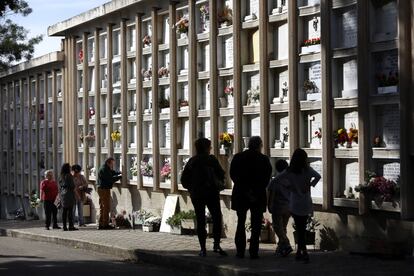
181	252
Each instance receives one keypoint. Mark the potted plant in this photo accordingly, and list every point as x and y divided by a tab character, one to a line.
312	45
146	169
139	217
387	84
152	224
253	96
34	204
312	91
311	226
182	222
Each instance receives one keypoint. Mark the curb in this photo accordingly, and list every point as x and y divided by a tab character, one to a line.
168	261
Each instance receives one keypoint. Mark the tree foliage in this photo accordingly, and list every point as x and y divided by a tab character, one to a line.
14	42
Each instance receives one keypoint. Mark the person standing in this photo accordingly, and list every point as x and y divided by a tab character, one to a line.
48	194
250	171
107	176
203	177
67	194
278	204
300	178
81	185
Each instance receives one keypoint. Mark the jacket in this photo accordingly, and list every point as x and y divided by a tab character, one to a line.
200	174
67	191
107	177
81	185
48	190
250	171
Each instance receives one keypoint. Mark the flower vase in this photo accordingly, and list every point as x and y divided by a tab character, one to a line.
183	35
364	204
117	144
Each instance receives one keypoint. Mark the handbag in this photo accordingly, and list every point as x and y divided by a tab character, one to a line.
58	202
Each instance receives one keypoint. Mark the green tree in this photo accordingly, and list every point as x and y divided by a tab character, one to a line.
14	43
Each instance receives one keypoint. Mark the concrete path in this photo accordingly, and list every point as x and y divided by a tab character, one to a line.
181	252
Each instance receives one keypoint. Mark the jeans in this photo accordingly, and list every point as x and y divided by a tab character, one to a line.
280	222
104	206
213	205
256	217
79	206
67	214
300	222
50	211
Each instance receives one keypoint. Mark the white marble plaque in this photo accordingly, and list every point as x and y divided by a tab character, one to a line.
317	191
185	58
283	125
282	42
255	126
350	77
149	29
255	81
386	22
167	59
207	130
149	135
132	41
314	125
228	49
149	62
230	125
283	85
166	30
185	91
314	27
186	135
391	127
349	29
315	75
206	96
254	8
206	53
391	170
351	120
351	175
167	131
92	79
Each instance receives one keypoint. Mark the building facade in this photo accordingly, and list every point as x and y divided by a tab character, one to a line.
141	81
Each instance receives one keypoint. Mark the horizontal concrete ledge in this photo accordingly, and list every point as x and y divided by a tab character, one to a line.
165	260
59	28
33	63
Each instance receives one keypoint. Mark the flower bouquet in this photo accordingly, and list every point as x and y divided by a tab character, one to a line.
146	41
253	96
226	141
183	104
311	45
147	171
166	171
134	168
182	26
147	74
163	72
387	84
379	189
116	136
164	105
318	134
340	137
205	16
311	90
226	17
352	135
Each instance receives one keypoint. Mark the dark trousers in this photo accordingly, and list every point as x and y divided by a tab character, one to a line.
213	205
50	211
67	214
256	217
300	222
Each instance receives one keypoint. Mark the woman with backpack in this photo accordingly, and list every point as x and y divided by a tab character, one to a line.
203	177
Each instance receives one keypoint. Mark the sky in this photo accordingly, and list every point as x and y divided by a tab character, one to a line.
48	12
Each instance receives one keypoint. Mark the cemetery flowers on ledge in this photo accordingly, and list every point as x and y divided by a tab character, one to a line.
228	90
116	136
226	16
146	40
34	200
318	134
166	170
253	96
163	72
380	189
146	168
182	25
312	41
204	10
340	137
310	87
226	140
134	167
390	80
147	74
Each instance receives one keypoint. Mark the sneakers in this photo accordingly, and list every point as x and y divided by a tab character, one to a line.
202	253
219	250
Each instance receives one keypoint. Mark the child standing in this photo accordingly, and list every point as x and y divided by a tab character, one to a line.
278	203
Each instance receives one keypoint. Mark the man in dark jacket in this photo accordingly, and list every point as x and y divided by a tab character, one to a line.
106	179
250	171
